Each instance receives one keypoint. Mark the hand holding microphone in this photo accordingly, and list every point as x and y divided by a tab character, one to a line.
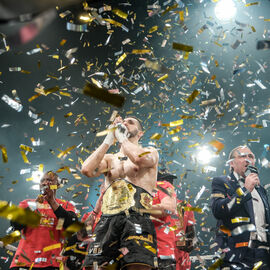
252	178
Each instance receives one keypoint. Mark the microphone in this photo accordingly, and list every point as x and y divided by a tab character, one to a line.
252	169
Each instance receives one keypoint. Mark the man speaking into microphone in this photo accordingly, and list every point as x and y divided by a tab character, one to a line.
241	205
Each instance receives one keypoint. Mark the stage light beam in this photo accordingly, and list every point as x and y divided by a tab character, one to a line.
225	10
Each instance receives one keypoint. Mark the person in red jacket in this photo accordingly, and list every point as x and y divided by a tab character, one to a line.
39	247
164	199
185	235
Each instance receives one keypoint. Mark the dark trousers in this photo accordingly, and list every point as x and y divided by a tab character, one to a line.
167	264
252	256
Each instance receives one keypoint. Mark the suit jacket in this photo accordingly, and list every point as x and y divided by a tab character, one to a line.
229	201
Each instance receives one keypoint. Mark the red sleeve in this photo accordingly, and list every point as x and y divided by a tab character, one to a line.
166	186
67	206
86	215
24	204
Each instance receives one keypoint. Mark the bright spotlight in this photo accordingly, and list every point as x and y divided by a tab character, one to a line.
204	156
36	175
225	10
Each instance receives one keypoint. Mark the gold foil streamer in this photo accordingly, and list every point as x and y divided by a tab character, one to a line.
195	209
26	148
66	151
251	4
52	122
19	215
11	238
240	219
51	247
156	136
143	51
257	265
103	95
105	132
25	159
144	153
46	92
120	13
113	22
153	29
4	153
150	248
217	144
163	78
182	47
174	131
193	95
121	58
169	9
176	123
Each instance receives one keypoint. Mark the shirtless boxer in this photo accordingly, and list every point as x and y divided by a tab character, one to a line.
124	235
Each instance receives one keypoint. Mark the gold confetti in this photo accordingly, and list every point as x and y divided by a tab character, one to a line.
18	214
193	95
120	13
68	114
257	265
66	151
156	136
193	145
105	132
103	95
26	148
251	4
193	80
51	247
53	187
153	29
217	44
25	159
182	47
176	123
134	51
181	15
256	126
175	139
240	219
174	131
145	153
150	248
46	92
121	58
11	238
52	122
216	63
33	97
163	78
217	144
217	84
169	9
267	20
63	42
253	29
4	153
113	22
195	209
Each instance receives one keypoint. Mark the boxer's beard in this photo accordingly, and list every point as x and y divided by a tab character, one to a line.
133	133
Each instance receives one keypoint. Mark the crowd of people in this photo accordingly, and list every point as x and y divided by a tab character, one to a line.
138	222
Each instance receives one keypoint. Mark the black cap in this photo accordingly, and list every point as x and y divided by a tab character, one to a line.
164	176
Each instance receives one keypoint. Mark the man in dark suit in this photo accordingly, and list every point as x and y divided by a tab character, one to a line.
241	205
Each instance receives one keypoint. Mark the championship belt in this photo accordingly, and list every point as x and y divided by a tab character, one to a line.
118	197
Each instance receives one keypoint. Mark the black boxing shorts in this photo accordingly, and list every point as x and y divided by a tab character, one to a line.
124	235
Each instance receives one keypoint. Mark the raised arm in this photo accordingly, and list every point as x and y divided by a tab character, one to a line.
142	157
96	163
